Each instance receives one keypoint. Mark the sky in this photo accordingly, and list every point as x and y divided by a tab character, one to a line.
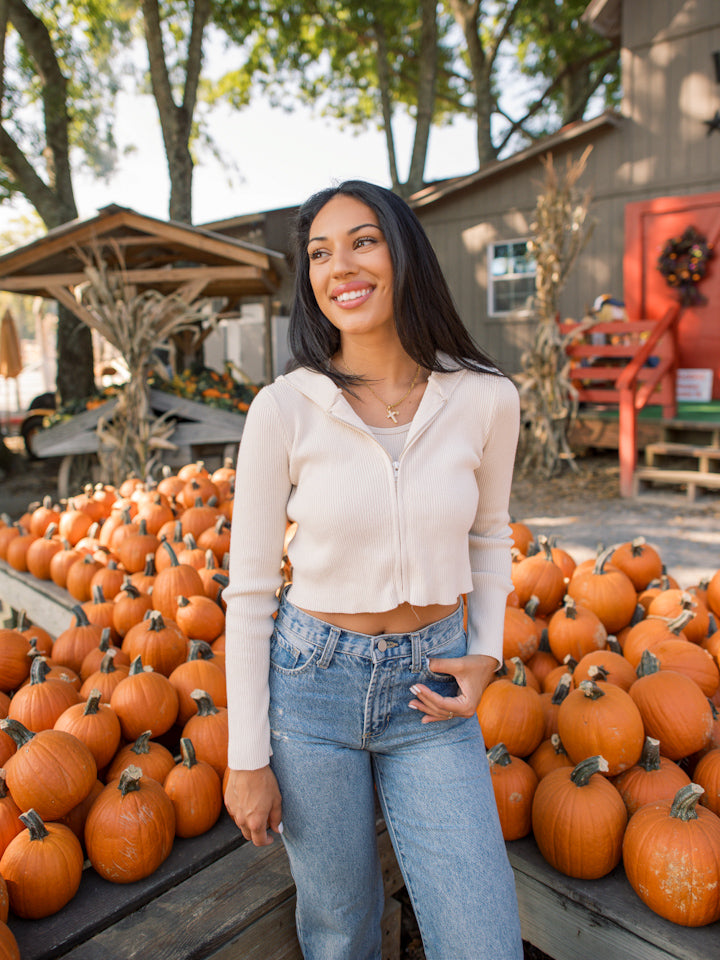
271	158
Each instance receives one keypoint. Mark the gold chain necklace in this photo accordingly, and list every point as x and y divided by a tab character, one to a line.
391	411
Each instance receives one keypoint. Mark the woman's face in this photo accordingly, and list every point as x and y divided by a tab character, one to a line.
350	268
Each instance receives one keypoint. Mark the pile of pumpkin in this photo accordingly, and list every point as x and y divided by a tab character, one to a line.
603	730
114	733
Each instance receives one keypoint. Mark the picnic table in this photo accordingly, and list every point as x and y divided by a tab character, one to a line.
200	430
218	897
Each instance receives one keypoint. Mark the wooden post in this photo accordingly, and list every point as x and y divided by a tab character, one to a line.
269	365
627	443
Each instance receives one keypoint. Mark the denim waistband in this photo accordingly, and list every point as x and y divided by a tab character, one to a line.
292	620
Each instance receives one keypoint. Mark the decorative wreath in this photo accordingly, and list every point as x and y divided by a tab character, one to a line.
683	262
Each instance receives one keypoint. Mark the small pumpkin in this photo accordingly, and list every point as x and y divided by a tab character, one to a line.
550	755
39	704
130	830
144	700
199	671
196	793
671	854
575	630
51	771
75	642
511	712
578	820
707	774
641	562
606	590
42	867
151	757
653	778
208	730
95	724
514	783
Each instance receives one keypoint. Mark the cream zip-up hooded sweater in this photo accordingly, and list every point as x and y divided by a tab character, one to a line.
372	533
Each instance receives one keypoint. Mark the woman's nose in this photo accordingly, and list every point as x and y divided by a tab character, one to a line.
342	262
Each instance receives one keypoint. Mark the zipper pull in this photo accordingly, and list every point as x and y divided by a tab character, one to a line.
396	470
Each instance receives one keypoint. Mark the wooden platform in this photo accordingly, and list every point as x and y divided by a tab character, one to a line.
219	897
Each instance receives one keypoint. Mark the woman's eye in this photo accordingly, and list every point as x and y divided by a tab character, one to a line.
315	254
364	241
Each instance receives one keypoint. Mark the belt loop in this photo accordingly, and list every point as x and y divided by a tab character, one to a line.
329	648
416	653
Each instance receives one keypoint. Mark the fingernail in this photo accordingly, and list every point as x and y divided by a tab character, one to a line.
280	827
413	706
415	689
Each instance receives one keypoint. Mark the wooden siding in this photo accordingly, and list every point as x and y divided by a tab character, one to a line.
660	147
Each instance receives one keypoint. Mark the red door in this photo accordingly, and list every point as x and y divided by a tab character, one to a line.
648	226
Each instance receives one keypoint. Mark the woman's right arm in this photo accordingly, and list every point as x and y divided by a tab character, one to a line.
262	489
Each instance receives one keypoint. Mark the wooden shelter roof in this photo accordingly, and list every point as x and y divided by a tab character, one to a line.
157	254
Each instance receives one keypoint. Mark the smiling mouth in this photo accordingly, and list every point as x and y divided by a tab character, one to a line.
352	295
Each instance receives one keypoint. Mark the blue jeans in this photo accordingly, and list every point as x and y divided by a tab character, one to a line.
341	727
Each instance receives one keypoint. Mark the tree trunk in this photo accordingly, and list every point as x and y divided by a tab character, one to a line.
426	96
54	200
466	16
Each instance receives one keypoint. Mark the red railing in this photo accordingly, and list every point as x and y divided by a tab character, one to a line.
628	364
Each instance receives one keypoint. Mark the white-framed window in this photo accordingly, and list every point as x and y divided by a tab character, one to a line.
511	277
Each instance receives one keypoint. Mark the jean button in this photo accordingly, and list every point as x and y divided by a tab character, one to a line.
382	645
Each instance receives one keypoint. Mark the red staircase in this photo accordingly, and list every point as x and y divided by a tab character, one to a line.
626	364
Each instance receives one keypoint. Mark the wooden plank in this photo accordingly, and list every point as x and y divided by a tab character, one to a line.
272	937
603	919
45	440
162	402
47	605
101	906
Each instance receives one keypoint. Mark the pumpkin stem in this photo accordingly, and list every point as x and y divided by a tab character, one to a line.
637	545
531	607
597	671
97	594
603	558
3	785
210	561
107	664
714	709
142	744
520	676
173	555
136	666
129	780
591	689
562	689
570	607
499	754
19	733
156	621
39	669
557	744
685	802
183	601
36	828
190	542
650	756
150	568
649	663
682	619
80	615
205	704
545	547
104	642
92	703
200	650
586	768
613	644
188	752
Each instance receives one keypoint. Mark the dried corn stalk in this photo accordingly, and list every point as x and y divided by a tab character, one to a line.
560	230
131	437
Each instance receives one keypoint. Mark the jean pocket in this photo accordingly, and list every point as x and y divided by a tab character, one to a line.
456	646
291	654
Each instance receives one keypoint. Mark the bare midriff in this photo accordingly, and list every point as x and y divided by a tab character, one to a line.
403	619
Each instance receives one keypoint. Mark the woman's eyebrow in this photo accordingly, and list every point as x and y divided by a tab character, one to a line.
361	226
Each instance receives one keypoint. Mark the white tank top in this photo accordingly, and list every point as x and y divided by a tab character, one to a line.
392	438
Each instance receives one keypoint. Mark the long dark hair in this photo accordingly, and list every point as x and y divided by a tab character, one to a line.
425	315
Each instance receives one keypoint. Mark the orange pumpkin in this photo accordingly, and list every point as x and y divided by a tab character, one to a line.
671	854
514	783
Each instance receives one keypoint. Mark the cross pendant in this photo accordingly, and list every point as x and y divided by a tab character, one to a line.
391	414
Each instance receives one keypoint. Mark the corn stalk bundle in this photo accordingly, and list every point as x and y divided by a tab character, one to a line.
560	230
132	437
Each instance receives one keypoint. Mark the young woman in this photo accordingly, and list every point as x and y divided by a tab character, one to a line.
391	445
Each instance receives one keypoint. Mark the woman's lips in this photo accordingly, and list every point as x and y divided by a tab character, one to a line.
350	298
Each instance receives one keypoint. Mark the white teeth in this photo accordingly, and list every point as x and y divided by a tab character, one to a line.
352	295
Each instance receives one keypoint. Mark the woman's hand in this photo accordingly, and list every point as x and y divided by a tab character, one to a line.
253	800
473	673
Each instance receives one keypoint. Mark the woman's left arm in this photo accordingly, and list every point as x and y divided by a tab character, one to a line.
490	562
